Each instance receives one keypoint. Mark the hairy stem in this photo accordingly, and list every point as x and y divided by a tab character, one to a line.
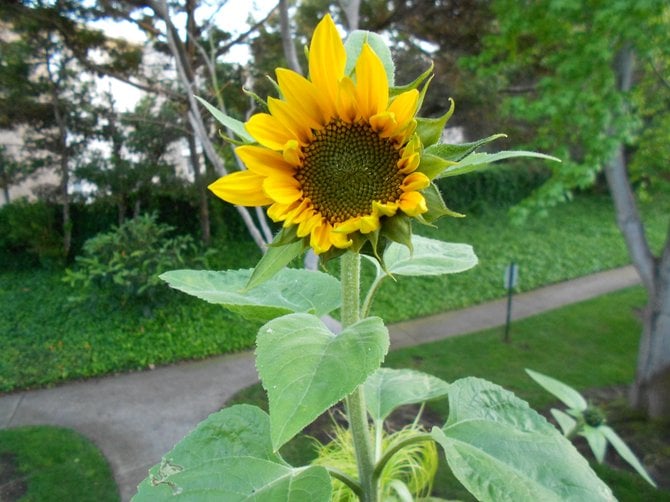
355	402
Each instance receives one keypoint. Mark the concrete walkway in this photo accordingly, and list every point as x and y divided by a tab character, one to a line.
135	418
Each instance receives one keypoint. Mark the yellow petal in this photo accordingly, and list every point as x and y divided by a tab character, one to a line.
262	161
284	189
340	240
327	59
243	188
346	100
386	209
320	238
299	212
348	226
300	92
372	91
278	211
409	164
292	153
268	131
415	181
404	107
308	224
369	223
384	123
412	203
292	119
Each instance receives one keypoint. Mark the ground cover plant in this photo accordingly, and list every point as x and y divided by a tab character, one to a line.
575	333
52	464
45	339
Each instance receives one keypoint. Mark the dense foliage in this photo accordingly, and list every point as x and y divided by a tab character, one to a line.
126	261
47	339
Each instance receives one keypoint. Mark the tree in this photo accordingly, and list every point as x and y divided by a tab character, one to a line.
57	100
189	55
569	72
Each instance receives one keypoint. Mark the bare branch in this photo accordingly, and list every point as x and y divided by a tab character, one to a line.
287	39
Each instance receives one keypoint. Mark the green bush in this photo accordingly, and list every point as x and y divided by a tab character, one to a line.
127	261
28	234
502	187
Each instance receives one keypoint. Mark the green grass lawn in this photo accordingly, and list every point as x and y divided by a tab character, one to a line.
45	338
591	345
52	464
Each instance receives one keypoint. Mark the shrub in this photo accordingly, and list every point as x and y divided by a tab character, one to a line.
28	234
127	261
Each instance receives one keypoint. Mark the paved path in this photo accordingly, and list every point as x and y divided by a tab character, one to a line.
135	418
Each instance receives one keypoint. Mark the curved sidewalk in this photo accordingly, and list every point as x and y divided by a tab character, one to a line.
135	418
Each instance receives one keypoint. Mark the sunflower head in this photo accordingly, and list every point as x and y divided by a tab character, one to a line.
337	157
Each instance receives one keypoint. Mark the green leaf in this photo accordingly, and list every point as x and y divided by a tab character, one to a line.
398	229
432	165
414	84
430	129
626	453
477	161
429	257
597	441
500	449
436	206
229	457
354	44
291	290
569	396
386	389
279	254
565	421
306	369
456	153
233	124
243	479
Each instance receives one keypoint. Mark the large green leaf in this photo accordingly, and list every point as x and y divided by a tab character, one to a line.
569	396
229	122
429	257
477	161
500	449
229	457
305	368
387	388
290	290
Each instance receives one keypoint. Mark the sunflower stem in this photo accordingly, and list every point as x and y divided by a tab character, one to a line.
355	402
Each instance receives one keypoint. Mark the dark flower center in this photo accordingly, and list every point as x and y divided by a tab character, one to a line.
347	167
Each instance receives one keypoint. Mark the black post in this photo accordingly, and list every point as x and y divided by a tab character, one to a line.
509	283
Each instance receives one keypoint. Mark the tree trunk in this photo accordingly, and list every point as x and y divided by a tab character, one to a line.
185	74
64	162
651	389
650	392
287	38
201	189
351	10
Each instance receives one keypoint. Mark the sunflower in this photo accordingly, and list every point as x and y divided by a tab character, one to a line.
336	156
